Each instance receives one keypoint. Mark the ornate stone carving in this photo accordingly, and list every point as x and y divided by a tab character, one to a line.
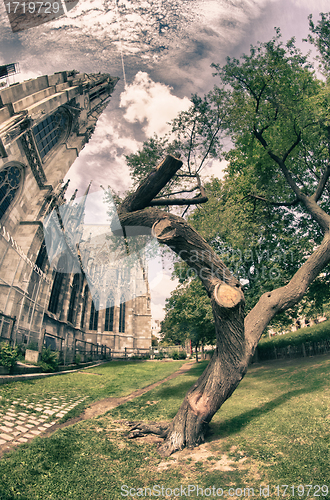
33	158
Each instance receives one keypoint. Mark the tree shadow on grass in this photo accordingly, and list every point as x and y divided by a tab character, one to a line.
236	424
173	392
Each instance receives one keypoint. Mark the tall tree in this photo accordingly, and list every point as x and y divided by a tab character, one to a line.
277	116
189	315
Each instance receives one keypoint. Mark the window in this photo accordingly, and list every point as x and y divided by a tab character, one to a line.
94	317
108	326
42	256
83	313
49	131
57	285
74	295
35	278
122	317
10	179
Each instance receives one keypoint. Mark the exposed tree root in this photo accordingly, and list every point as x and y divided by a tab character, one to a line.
173	441
140	429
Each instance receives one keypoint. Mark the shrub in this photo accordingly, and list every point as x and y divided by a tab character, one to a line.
8	356
182	355
175	355
77	359
48	360
21	348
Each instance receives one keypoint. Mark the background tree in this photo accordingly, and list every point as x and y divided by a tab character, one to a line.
263	246
189	316
276	113
321	40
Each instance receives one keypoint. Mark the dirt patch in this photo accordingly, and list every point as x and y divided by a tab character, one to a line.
89	373
209	456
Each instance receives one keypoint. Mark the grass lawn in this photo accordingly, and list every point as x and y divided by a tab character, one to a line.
274	430
116	378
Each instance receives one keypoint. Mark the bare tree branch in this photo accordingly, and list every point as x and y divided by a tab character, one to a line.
321	185
160	202
190	146
274	203
319	215
152	185
180	192
324	177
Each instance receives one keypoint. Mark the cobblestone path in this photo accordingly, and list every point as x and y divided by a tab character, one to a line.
23	420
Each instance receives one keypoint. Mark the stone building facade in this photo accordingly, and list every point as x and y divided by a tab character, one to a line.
44	124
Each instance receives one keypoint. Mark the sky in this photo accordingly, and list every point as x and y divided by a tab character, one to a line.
167	47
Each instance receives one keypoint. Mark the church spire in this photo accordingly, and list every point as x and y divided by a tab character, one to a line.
87	189
82	204
73	197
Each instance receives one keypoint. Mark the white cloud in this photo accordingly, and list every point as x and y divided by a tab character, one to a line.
160	293
102	159
151	104
321	5
108	138
157	311
215	168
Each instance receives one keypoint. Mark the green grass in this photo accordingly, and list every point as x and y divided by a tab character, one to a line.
273	430
113	379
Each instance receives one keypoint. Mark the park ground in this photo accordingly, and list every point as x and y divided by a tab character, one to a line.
273	432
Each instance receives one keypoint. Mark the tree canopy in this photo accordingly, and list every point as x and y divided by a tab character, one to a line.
273	111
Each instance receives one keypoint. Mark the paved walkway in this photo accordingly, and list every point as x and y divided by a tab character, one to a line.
42	417
17	426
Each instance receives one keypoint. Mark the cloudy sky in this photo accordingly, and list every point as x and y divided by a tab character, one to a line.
167	47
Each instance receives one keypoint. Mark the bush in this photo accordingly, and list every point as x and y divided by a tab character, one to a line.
178	355
77	359
8	356
48	360
160	355
21	348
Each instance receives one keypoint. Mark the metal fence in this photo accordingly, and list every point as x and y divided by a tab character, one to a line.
305	349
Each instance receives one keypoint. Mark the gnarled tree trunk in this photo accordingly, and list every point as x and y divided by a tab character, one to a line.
235	344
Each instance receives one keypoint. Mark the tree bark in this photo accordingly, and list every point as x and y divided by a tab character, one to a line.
236	338
196	353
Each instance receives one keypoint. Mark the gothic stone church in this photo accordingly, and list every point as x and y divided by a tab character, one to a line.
44	124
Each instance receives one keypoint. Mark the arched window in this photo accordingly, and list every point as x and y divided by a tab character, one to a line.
57	284
42	256
35	278
125	277
94	317
74	295
48	132
10	179
83	312
122	316
108	325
